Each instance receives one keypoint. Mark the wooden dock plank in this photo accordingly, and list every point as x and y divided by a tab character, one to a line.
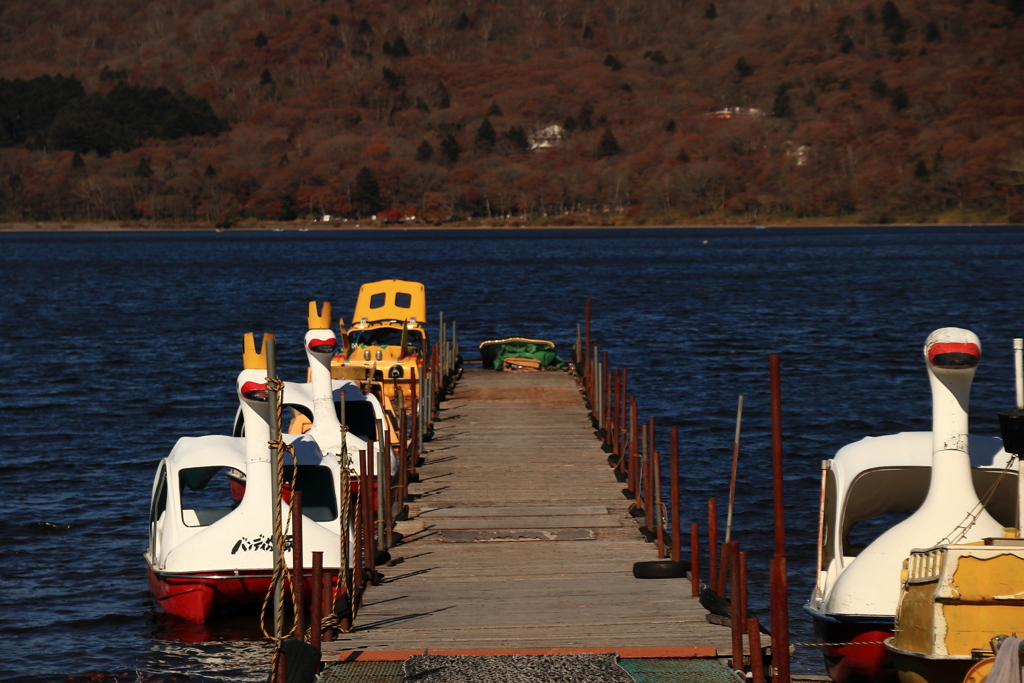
517	450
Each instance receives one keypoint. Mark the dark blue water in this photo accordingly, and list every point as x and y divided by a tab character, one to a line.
114	345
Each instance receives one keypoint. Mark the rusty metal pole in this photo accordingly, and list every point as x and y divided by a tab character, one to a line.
613	422
605	396
620	427
328	603
776	409
675	522
587	318
414	412
779	587
370	506
282	666
723	568
713	544
298	572
754	642
316	598
736	606
694	560
743	585
658	507
648	480
780	620
388	490
357	522
403	459
634	451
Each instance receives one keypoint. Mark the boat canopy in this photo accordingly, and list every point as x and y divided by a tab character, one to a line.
891	473
391	300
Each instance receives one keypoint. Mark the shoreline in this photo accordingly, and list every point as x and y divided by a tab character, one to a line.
398	227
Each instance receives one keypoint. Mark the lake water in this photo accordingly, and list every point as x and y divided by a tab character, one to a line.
113	345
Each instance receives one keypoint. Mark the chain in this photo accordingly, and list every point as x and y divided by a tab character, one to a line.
859	642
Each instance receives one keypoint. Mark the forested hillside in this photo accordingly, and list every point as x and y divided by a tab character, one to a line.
668	111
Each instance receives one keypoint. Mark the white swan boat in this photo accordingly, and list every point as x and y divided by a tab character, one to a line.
938	474
211	511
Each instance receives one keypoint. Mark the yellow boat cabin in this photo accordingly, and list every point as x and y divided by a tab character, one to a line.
388	335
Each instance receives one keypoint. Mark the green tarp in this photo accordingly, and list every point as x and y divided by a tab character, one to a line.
541	352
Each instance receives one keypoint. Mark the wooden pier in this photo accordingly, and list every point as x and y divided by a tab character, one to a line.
520	538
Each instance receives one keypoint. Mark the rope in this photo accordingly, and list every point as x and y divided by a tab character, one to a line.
280	571
972	516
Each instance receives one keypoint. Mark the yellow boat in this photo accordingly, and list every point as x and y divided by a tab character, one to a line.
387	340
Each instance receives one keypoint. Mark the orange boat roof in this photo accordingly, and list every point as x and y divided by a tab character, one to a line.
391	300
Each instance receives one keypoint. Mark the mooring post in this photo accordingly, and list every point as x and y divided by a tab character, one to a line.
713	544
359	521
658	505
622	426
316	598
754	642
736	606
675	523
723	568
694	560
273	399
327	606
633	475
780	620
779	587
605	396
369	499
648	479
776	409
587	320
387	492
298	571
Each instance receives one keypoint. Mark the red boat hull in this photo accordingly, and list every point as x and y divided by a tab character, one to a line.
194	597
856	663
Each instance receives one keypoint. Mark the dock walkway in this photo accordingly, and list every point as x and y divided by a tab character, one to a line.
520	538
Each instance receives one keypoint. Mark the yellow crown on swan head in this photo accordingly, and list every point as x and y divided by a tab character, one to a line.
319	320
251	358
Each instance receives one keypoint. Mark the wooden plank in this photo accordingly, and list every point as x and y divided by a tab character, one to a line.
513	511
566	522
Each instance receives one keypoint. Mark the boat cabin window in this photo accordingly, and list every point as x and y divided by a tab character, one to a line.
362	421
209	493
317	485
378	300
385	336
403	300
879	499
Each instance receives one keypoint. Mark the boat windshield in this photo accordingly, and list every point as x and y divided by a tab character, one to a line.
385	336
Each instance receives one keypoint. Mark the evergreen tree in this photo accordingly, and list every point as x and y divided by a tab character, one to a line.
266	78
261	40
711	12
932	34
518	139
486	137
143	170
608	146
570	124
424	152
77	161
781	107
392	80
588	32
743	68
462	22
584	121
450	148
333	20
210	171
900	99
364	27
444	99
365	197
494	109
399	48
